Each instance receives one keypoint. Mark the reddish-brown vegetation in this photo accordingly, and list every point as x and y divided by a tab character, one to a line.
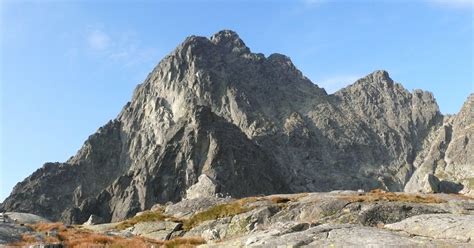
78	238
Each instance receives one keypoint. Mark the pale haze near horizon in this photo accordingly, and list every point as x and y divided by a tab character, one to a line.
67	68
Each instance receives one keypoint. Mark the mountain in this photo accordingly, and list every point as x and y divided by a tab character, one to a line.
214	118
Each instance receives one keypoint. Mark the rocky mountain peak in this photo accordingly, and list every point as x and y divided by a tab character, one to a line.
378	78
251	125
277	58
229	40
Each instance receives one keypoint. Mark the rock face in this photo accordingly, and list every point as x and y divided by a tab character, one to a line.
439	226
448	158
215	118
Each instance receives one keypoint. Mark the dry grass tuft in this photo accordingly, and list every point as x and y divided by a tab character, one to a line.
285	199
184	242
28	238
381	195
278	199
78	238
102	241
48	227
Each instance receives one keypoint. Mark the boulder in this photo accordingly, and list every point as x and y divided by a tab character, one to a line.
430	184
94	220
24	218
205	187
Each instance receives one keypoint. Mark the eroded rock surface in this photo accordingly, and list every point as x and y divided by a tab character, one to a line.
438	226
347	219
339	218
13	226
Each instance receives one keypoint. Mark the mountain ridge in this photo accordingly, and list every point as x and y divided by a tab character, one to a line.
214	118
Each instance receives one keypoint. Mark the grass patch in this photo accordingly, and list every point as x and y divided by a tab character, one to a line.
219	211
234	208
380	195
146	216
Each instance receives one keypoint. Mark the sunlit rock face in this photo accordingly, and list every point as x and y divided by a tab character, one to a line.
247	124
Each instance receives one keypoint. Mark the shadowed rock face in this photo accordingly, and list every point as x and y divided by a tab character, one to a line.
252	125
448	156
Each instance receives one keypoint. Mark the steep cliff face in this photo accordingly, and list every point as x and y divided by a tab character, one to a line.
447	163
213	117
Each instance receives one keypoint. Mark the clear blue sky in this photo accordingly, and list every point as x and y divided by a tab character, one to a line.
67	67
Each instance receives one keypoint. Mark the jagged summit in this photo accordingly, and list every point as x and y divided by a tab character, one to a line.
380	75
214	118
225	41
230	40
378	78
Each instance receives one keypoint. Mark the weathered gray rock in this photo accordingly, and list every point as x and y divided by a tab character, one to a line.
94	220
10	232
332	219
334	236
23	218
390	212
438	226
187	207
448	155
211	230
430	184
161	230
215	118
101	228
205	187
249	221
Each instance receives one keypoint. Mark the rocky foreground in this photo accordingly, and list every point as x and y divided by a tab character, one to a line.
333	219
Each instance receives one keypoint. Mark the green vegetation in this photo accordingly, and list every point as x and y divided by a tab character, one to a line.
216	212
380	195
219	211
145	217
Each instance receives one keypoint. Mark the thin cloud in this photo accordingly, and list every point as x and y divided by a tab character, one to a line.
335	83
123	47
98	39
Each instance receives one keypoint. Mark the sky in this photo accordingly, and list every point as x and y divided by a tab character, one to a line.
67	67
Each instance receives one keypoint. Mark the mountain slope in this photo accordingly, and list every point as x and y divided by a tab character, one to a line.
213	117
